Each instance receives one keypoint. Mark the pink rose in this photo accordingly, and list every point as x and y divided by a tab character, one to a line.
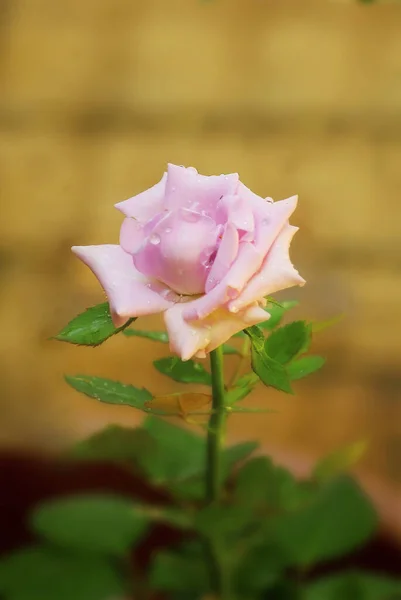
203	250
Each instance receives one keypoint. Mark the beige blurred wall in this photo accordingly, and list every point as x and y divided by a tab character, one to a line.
298	97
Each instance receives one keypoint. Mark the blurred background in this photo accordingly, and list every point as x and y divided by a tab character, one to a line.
298	97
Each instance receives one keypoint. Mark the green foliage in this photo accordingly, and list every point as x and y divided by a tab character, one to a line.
354	585
288	341
91	328
339	519
264	486
115	444
41	573
270	371
101	524
277	313
339	461
244	386
183	371
110	392
298	369
180	572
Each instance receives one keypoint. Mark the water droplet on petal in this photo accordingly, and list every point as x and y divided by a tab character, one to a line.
265	221
154	239
232	293
233	309
168	230
269	200
192	170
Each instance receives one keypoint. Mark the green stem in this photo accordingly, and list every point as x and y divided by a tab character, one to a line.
214	476
216	428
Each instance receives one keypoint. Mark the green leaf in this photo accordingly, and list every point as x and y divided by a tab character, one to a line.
183	371
277	313
262	484
116	444
260	567
302	367
235	454
286	342
244	386
172	572
91	328
156	336
339	461
194	488
46	574
340	519
271	372
354	585
256	335
102	524
110	392
224	524
179	452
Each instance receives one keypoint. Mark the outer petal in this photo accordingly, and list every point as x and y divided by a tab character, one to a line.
132	235
130	294
277	272
185	188
147	204
199	337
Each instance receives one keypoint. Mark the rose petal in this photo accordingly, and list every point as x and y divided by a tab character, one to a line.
147	204
233	209
175	251
224	258
132	235
277	272
249	259
129	293
185	188
199	337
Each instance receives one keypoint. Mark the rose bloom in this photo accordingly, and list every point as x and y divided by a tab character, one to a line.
202	250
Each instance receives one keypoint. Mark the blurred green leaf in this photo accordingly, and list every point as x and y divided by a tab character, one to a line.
302	367
277	313
173	572
354	585
285	343
339	461
116	444
155	336
224	524
46	574
261	484
110	392
338	520
98	523
259	568
91	328
187	371
180	453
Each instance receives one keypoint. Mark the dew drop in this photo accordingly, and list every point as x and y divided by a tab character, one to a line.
168	230
233	309
269	200
154	239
